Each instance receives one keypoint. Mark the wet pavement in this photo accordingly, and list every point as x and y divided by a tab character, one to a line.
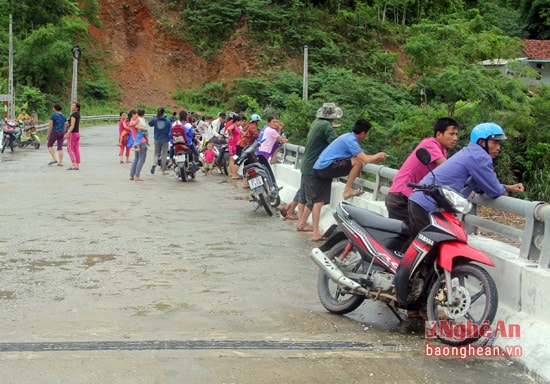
107	280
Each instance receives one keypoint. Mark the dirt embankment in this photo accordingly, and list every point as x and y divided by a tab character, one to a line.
148	64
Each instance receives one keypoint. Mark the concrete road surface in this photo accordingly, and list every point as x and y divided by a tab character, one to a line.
107	280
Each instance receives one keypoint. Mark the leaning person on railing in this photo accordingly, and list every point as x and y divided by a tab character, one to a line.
445	137
342	157
474	161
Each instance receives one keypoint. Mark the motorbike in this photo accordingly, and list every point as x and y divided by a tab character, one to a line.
221	159
13	136
186	166
9	135
28	136
260	180
436	273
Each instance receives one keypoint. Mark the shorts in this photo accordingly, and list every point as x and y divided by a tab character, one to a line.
397	205
56	137
232	149
323	179
305	193
208	165
239	150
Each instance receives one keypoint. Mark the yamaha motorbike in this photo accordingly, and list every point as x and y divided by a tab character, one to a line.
437	274
260	180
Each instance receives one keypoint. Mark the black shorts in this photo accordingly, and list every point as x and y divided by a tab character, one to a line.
305	193
323	179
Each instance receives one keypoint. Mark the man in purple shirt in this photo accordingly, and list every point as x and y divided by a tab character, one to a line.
475	161
412	170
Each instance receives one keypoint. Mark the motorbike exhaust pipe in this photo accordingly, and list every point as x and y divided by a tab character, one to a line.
335	273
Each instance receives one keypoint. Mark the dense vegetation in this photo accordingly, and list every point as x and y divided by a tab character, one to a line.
399	63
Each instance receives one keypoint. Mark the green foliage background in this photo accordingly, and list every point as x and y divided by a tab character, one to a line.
354	47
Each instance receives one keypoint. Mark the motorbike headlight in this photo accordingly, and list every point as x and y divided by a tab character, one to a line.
458	202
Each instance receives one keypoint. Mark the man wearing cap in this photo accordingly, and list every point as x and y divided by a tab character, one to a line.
321	134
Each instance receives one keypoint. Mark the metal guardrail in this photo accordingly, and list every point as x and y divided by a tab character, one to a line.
534	236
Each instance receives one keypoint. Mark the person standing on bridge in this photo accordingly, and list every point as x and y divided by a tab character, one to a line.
123	134
141	155
73	137
55	134
161	132
444	137
474	161
321	134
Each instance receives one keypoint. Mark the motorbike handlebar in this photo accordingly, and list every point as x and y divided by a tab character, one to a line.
420	186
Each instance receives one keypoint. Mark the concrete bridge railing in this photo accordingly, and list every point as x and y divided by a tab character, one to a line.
534	236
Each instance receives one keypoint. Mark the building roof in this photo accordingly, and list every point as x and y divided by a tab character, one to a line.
537	49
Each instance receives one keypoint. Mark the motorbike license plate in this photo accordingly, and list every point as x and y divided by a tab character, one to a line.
255	182
179	159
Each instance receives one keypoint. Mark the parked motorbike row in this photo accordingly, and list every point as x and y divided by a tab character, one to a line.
436	273
17	134
260	179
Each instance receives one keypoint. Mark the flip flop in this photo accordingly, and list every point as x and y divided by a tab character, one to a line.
353	193
52	162
319	239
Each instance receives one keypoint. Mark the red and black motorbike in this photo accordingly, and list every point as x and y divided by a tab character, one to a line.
437	273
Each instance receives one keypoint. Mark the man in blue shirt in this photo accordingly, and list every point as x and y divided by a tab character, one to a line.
342	157
475	161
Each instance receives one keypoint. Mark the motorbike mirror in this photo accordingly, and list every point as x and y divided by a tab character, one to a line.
423	155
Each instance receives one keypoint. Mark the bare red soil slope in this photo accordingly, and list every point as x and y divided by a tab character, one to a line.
148	64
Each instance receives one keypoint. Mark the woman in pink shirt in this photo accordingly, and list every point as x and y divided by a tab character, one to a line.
123	133
234	135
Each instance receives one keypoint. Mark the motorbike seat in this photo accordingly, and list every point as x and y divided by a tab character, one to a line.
369	219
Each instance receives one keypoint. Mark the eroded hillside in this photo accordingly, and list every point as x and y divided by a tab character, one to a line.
148	64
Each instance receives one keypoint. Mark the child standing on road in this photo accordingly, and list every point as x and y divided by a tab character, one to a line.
209	155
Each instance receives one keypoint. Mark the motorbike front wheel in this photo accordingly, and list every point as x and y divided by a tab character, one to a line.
475	303
4	143
35	142
335	298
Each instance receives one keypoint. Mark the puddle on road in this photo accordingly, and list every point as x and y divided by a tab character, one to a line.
92	260
7	295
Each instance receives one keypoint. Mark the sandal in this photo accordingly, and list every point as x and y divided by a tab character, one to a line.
353	193
322	238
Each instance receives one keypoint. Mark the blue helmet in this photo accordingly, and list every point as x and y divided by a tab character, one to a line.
255	117
487	131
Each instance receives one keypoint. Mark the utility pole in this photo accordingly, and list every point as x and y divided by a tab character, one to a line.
305	85
76	55
11	99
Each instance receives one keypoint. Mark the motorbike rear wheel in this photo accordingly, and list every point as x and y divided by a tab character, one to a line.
476	301
337	299
264	200
182	172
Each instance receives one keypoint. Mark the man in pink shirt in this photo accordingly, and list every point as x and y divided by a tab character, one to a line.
445	137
